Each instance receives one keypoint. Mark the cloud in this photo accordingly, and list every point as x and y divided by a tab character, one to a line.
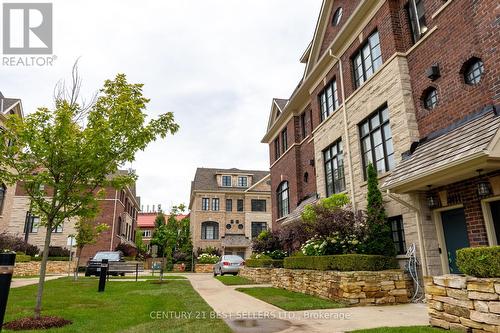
216	64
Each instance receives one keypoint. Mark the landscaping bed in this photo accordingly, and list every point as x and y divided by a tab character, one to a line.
289	300
123	307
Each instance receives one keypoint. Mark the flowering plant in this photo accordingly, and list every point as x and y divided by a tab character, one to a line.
334	244
206	258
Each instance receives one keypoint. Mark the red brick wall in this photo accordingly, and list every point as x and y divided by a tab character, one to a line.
466	28
467	192
348	7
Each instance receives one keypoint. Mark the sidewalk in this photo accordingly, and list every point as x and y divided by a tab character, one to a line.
22	282
238	309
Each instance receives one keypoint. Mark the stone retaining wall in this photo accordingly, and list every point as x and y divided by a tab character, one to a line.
204	268
355	288
33	268
464	303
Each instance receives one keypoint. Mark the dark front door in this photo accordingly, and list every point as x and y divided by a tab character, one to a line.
495	213
455	235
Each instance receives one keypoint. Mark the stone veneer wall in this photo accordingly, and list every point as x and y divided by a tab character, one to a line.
204	268
464	303
33	268
355	288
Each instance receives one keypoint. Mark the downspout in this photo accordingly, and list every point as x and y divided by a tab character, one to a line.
346	130
113	225
418	215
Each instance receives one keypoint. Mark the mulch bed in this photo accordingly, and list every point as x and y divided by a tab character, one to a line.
31	323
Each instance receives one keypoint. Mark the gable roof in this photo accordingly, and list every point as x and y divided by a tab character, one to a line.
205	179
277	107
8	104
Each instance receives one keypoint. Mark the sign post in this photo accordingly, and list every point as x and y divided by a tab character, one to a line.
7	261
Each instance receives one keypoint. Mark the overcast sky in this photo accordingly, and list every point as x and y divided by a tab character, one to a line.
216	64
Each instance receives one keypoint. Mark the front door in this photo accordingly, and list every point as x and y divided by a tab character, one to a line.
455	235
495	214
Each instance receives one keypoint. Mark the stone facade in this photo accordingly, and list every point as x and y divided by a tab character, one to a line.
234	226
204	268
32	268
464	303
354	288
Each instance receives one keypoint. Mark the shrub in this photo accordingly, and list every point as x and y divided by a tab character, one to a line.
179	256
267	241
57	251
343	262
127	249
39	258
21	257
209	250
334	244
17	244
206	258
269	263
480	261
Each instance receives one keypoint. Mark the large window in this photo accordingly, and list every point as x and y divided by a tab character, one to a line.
283	199
215	204
257	228
210	230
376	141
58	229
205	203
303	128
328	100
146	233
417	18
258	205
277	152
240	205
229	205
243	181
334	168
398	233
284	140
226	181
367	60
3	192
35	222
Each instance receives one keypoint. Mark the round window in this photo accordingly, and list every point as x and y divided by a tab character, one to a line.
337	16
431	99
474	71
240	226
228	226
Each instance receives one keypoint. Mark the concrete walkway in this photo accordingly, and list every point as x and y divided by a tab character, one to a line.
22	282
246	314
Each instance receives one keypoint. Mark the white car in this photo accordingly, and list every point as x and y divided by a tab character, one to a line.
228	264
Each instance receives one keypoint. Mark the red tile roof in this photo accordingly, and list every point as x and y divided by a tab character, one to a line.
147	220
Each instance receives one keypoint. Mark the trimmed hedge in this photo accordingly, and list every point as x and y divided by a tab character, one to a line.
342	262
39	258
21	257
481	262
268	263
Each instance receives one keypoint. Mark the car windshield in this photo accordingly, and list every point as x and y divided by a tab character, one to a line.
112	256
233	258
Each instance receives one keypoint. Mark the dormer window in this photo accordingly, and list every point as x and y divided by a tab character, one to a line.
226	181
243	181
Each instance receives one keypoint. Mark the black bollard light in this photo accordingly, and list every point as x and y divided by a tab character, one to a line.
7	261
102	275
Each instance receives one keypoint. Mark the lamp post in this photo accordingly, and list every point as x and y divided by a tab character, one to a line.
7	261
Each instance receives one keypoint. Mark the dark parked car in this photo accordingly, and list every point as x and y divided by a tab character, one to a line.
94	264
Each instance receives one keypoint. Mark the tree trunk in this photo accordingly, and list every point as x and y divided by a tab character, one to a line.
80	249
43	270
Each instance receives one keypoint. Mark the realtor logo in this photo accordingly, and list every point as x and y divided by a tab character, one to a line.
27	28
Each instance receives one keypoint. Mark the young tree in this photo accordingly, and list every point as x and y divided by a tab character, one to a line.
142	249
74	150
87	233
379	237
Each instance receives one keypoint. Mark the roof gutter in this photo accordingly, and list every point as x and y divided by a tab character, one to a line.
346	130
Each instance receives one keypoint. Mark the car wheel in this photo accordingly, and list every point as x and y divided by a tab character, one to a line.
221	272
122	274
234	274
215	273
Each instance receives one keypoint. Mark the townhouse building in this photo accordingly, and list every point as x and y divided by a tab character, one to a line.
8	106
118	209
409	86
146	223
229	207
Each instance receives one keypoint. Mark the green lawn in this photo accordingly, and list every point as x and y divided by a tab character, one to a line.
289	300
234	280
409	329
149	277
123	307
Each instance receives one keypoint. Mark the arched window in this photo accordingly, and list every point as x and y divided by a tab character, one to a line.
283	199
3	191
210	230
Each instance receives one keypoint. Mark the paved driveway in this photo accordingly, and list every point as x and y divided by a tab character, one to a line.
246	314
